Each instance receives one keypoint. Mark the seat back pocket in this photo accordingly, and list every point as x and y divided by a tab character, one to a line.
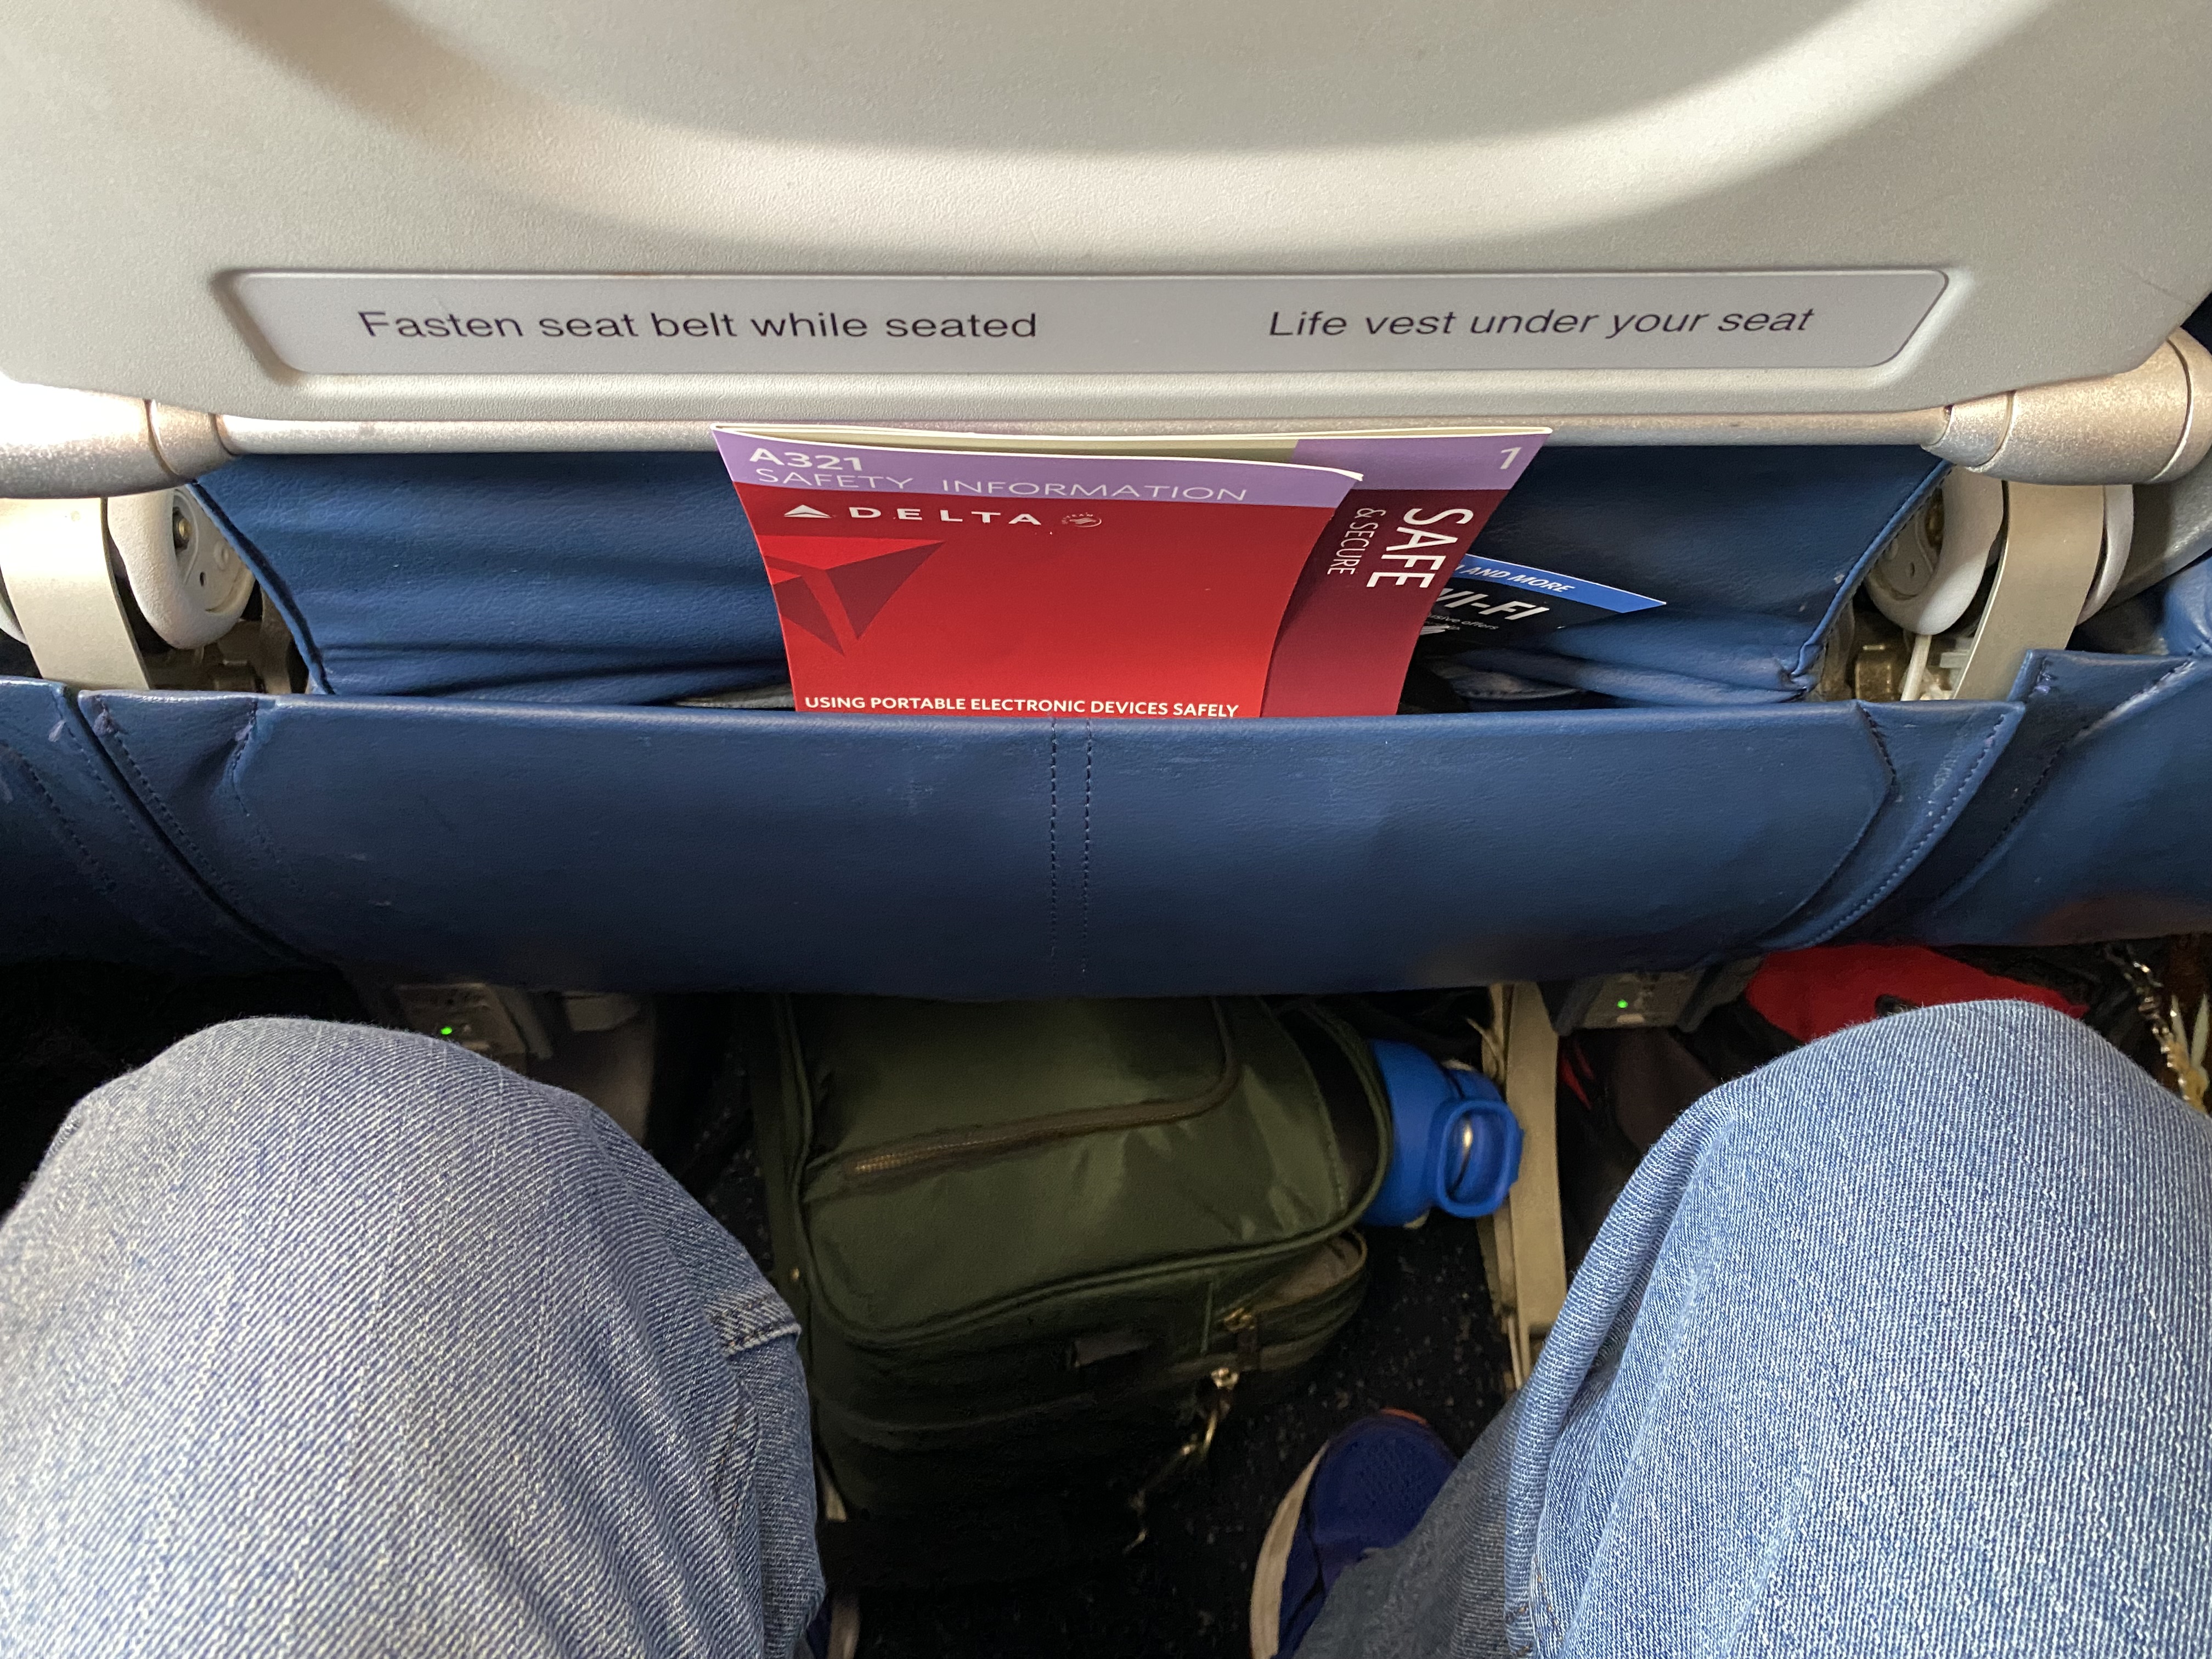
87	874
656	848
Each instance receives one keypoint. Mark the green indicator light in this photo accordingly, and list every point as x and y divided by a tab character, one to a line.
447	1030
1622	1003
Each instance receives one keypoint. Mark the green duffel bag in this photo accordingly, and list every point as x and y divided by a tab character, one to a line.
1038	1250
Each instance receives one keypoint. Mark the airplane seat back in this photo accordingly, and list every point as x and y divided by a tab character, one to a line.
430	311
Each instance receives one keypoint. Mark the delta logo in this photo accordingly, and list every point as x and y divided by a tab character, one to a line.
945	515
835	586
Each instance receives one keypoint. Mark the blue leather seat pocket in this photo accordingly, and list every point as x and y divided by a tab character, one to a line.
671	848
87	874
2097	821
563	578
603	578
1754	551
2096	824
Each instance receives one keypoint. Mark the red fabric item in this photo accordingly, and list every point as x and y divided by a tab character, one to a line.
1810	993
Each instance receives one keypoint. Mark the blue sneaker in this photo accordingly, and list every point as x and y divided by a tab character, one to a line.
1363	1491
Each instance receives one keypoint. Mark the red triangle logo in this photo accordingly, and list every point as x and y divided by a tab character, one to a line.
866	584
835	586
796	603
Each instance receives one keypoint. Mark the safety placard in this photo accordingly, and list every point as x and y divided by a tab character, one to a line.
412	323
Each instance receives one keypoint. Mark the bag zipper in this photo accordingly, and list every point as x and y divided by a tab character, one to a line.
1252	1356
1243	1324
956	1145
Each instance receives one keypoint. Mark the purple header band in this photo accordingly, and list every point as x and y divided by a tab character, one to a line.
981	475
1412	463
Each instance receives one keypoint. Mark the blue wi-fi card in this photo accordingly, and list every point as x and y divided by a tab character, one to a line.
1488	599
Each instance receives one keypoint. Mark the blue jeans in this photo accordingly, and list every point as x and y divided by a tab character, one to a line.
323	1341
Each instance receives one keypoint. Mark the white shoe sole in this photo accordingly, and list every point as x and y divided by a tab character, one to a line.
1267	1613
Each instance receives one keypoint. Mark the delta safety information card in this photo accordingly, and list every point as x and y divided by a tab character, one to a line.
971	582
950	573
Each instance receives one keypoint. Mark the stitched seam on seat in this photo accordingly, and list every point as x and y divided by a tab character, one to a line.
159	811
1881	750
2032	795
1894	786
178	857
1938	824
2184	666
245	811
59	819
1082	912
2042	688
